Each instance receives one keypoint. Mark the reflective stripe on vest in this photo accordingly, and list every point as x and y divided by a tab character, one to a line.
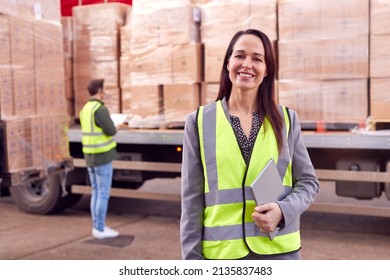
93	138
227	185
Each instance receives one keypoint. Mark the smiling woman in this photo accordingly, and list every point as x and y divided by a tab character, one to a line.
226	145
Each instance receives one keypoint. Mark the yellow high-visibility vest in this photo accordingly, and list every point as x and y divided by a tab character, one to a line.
93	139
229	230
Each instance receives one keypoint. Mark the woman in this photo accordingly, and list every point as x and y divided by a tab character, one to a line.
226	145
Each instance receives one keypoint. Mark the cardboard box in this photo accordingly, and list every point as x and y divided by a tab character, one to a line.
213	61
7	104
299	19
180	100
18	143
300	59
379	17
126	101
50	91
379	56
24	91
208	93
303	96
324	59
125	40
67	36
151	67
5	40
146	106
91	47
340	19
187	63
48	44
345	100
36	141
22	42
60	137
220	21
323	19
144	28
125	72
330	101
263	16
345	58
179	25
380	99
47	133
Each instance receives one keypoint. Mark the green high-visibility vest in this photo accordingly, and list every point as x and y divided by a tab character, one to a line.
93	138
229	230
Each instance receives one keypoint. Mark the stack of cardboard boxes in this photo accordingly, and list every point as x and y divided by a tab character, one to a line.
323	58
32	109
220	21
96	46
165	62
331	66
380	60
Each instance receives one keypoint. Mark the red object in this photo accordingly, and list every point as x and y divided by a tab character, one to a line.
67	5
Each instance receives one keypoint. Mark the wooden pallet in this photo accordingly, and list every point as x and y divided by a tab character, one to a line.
378	124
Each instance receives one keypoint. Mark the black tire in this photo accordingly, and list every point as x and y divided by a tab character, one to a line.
387	185
68	200
40	197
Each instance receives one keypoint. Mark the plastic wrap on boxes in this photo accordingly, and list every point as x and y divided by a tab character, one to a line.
151	66
333	101
5	50
322	19
31	71
60	138
222	19
146	107
35	142
155	23
36	9
179	25
7	105
323	58
18	142
22	41
97	50
24	90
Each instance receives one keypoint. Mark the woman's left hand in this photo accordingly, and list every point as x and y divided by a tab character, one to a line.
267	216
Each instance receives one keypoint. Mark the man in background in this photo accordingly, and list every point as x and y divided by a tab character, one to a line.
99	150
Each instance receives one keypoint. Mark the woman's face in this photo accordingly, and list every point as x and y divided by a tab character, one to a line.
246	65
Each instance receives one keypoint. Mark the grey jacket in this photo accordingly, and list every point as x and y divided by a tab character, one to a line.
305	184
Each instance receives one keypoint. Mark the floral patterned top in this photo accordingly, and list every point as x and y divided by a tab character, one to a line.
244	142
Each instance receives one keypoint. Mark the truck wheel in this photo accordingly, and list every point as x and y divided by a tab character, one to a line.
387	185
39	197
68	200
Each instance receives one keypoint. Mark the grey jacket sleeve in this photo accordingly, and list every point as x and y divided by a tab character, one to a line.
305	182
192	193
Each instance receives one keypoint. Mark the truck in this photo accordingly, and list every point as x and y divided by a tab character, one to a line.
358	161
359	164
